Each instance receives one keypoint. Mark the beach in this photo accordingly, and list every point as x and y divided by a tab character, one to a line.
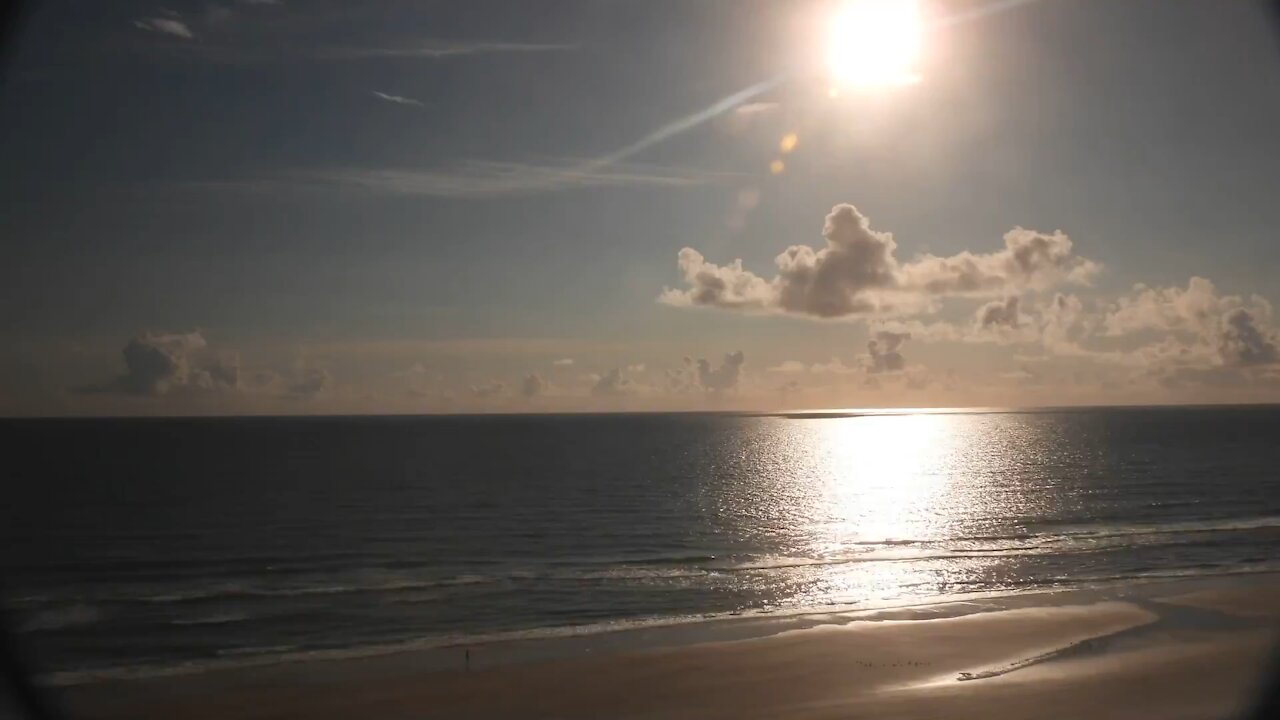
1189	649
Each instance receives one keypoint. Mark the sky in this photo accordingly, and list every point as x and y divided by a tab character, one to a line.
280	207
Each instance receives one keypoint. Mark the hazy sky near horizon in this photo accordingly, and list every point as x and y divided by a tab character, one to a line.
276	207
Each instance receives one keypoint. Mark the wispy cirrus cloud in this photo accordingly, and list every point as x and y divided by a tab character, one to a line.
396	99
438	49
483	179
172	26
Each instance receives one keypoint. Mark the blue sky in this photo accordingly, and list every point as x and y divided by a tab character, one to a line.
313	207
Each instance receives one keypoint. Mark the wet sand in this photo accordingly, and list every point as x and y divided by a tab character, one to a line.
1173	650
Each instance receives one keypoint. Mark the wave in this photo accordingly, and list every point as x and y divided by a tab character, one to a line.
263	656
60	618
1173	528
269	655
231	591
1097	531
46	612
223	619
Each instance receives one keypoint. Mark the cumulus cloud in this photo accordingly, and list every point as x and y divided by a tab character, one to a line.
1003	321
728	287
165	26
838	280
1234	331
613	383
789	366
722	378
159	364
1065	323
884	354
222	372
1194	308
1030	260
156	364
310	382
683	378
1242	342
532	385
999	314
857	274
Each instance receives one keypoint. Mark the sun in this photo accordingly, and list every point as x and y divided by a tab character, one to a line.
875	42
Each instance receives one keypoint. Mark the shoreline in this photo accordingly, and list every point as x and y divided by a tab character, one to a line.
927	651
623	635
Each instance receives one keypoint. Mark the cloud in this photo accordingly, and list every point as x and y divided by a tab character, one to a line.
532	385
183	365
700	376
789	366
755	108
441	49
1003	321
1164	309
396	99
480	179
883	351
683	378
999	314
841	278
562	362
857	274
613	383
310	382
728	287
1064	323
222	372
1242	343
1196	309
1022	375
1226	330
1029	260
489	390
157	364
165	26
722	378
835	366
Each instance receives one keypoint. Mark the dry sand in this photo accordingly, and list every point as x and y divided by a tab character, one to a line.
1171	652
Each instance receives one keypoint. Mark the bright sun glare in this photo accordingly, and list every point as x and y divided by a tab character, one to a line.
875	42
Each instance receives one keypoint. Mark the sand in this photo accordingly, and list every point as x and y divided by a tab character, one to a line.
1163	651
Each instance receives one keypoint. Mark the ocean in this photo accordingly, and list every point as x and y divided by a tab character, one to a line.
136	547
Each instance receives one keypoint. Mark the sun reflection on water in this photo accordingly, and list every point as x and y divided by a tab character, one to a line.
885	475
882	496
